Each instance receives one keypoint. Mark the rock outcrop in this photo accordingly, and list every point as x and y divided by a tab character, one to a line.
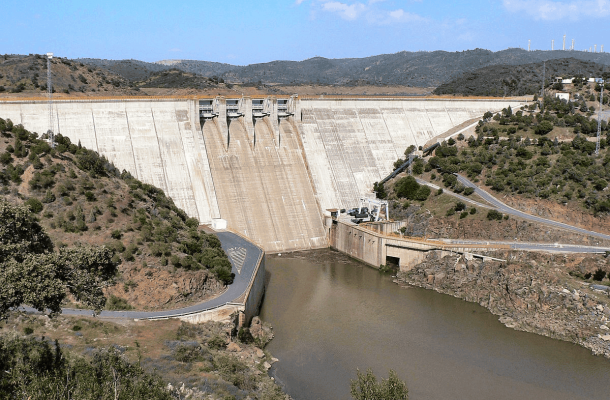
530	292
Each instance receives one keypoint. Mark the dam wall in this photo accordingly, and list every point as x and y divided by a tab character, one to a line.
270	177
158	142
350	144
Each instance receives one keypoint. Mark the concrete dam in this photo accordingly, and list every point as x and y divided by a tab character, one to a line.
269	167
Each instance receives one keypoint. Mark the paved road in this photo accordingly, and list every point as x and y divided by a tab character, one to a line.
528	246
242	279
511	211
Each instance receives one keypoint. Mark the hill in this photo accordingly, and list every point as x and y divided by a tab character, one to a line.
519	80
28	75
417	69
80	198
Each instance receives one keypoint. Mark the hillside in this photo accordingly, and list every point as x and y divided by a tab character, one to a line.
416	69
520	80
174	78
28	75
80	198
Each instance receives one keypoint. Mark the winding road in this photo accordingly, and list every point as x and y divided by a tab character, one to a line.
244	258
500	206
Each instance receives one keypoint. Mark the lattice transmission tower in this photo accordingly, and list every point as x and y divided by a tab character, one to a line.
50	132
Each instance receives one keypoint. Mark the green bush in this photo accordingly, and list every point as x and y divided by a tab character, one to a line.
217	343
468	191
599	275
116	234
115	303
34	204
450	212
460	206
494	215
473	211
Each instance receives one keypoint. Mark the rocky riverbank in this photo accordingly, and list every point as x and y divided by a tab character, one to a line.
532	292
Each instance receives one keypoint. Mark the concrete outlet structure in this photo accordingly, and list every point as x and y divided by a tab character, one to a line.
267	166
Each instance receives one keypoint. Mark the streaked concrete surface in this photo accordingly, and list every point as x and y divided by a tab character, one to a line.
262	185
158	142
272	179
350	144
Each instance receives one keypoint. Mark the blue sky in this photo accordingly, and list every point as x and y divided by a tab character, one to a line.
243	32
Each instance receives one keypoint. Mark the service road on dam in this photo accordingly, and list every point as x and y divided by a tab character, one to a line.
243	264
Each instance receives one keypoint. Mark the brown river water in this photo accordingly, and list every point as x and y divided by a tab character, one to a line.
331	315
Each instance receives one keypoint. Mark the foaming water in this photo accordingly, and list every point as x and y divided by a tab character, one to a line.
335	315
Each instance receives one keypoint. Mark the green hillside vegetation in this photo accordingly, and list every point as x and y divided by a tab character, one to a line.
81	198
540	167
519	80
29	74
35	369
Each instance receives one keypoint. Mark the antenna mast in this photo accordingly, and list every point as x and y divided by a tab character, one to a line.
599	118
529	44
552	44
50	93
564	42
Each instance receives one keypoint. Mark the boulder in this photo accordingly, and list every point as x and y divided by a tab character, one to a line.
234	347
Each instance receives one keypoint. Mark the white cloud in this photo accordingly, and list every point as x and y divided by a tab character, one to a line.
297	2
346	11
549	10
371	12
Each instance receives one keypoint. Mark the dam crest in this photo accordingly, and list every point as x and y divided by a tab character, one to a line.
268	166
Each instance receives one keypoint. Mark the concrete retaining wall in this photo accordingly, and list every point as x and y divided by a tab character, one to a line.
372	247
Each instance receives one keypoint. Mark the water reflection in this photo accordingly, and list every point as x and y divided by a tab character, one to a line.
332	316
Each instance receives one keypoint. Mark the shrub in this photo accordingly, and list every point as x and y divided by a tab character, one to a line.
494	215
49	197
217	343
116	234
468	191
599	274
473	211
460	206
89	196
6	158
463	214
115	303
34	204
451	212
28	331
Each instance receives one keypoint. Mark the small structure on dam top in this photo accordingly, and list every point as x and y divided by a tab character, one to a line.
269	166
226	110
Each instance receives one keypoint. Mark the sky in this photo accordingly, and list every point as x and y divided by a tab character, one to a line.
243	32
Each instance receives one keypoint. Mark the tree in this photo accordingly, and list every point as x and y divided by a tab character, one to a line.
543	128
32	273
366	387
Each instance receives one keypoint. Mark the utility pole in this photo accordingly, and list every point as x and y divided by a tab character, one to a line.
572	45
50	133
529	45
564	42
595	48
552	44
599	118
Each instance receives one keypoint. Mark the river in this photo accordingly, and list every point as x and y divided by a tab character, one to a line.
332	315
